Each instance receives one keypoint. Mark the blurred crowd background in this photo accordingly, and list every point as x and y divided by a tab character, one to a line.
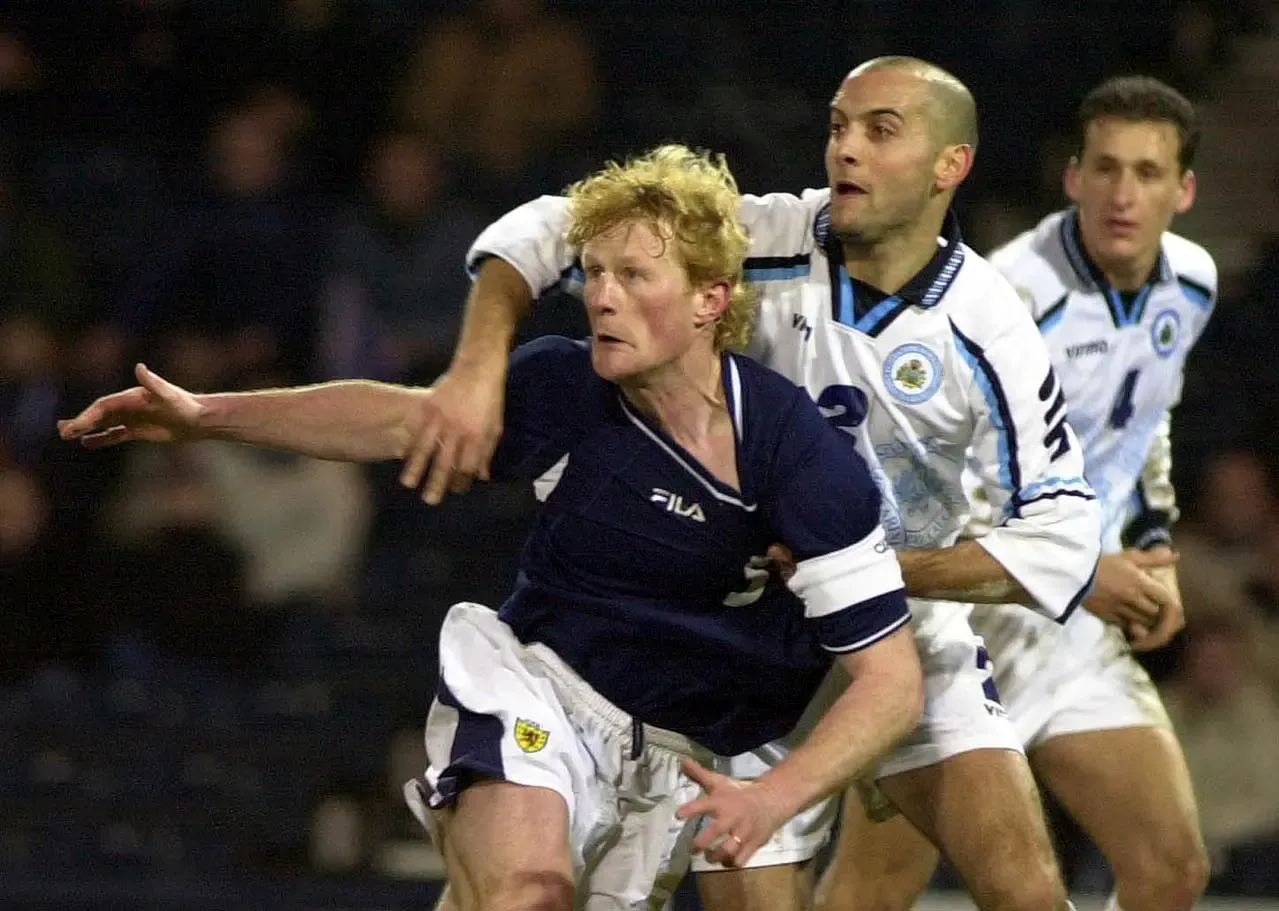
217	660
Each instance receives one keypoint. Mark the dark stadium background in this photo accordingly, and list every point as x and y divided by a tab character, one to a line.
214	663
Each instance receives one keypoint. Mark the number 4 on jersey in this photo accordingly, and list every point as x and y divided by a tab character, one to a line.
1123	410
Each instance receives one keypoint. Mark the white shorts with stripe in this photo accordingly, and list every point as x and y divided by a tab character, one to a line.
962	712
1056	680
515	712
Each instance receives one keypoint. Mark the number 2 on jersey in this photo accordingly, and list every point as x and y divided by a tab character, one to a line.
1123	410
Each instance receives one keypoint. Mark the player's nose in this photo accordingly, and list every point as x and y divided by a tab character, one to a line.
602	296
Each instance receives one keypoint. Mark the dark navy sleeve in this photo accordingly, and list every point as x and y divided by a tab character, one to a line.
551	395
826	512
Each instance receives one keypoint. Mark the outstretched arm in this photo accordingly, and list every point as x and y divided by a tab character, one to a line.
353	421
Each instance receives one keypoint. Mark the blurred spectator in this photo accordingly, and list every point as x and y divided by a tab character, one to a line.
29	627
240	263
29	394
300	523
178	574
1240	400
1220	539
501	88
397	285
21	84
39	272
272	532
1233	512
331	63
1228	724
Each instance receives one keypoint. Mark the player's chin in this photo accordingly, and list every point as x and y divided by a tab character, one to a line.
612	365
847	218
1119	247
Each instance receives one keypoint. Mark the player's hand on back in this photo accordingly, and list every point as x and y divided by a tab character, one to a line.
1127	595
781	561
740	816
154	411
459	427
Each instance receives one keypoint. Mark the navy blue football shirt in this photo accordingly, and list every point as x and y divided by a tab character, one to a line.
644	573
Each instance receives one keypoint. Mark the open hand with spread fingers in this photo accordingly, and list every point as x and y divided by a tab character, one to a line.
740	816
154	411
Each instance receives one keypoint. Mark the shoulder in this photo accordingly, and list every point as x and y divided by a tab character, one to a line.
1192	264
552	386
777	415
771	392
1034	262
982	302
553	356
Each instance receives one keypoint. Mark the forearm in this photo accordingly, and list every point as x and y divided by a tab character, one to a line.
499	301
881	705
962	572
349	421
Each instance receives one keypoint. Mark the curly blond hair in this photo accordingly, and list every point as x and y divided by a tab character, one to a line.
691	200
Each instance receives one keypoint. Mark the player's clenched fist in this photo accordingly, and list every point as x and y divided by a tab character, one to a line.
460	424
154	411
1172	614
1127	594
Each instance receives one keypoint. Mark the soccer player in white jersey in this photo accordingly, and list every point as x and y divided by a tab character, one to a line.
921	352
1120	300
641	634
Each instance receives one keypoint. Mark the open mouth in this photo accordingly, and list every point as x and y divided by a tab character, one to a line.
847	188
605	339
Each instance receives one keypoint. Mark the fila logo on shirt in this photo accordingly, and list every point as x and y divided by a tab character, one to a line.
673	502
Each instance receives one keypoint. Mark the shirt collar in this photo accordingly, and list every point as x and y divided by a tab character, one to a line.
927	286
1082	264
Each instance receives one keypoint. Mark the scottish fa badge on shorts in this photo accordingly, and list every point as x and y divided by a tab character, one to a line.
912	373
529	736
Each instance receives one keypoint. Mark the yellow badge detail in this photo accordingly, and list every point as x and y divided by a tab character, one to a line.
912	374
529	736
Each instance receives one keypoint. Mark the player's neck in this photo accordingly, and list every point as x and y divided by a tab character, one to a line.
685	397
1129	274
889	263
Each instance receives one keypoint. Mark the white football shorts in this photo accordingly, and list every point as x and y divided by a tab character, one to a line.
514	712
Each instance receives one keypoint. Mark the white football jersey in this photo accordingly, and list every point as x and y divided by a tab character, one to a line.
950	369
1120	360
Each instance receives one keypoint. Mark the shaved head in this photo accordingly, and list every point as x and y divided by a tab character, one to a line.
952	111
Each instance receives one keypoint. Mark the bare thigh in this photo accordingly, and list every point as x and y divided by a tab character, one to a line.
1129	789
783	887
506	846
878	864
981	809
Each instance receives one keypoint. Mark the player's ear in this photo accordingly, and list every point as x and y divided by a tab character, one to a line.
1070	179
1189	186
712	301
953	165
